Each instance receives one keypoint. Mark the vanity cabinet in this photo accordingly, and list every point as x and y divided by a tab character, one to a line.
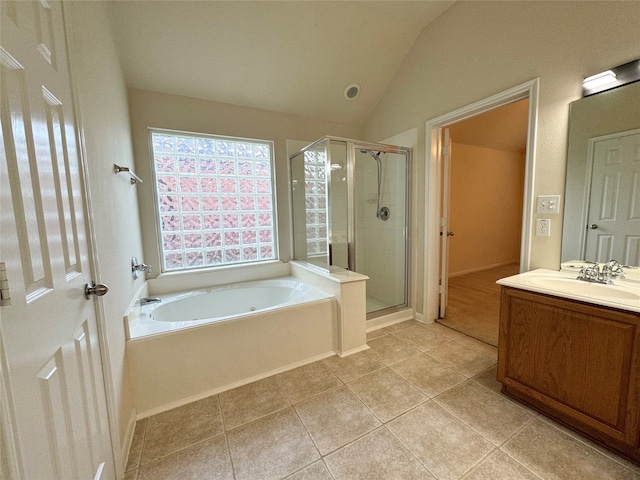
576	362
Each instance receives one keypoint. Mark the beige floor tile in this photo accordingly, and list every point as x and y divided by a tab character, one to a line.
353	366
181	427
445	331
335	418
131	475
482	347
399	326
445	445
429	375
490	414
315	471
488	379
208	459
390	350
377	455
386	393
271	447
462	359
499	466
424	339
306	381
376	334
250	402
135	451
554	455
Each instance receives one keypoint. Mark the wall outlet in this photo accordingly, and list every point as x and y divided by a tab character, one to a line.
548	204
543	227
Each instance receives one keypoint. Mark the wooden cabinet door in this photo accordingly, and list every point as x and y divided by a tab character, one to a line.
575	360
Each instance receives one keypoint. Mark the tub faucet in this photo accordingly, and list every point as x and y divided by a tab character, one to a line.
138	267
147	300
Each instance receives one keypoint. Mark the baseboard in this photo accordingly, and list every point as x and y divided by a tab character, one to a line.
128	439
353	350
390	319
245	381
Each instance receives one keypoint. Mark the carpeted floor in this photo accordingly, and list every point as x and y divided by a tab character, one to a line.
474	303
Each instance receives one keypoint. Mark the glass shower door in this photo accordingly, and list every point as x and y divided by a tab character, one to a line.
381	219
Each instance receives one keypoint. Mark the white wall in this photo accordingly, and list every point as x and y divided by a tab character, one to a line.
477	49
105	118
159	110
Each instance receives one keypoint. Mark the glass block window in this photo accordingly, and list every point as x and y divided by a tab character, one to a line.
215	200
315	169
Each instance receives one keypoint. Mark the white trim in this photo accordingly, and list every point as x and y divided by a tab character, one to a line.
353	351
128	438
391	319
433	167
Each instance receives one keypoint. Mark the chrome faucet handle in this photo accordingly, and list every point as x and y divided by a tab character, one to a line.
139	267
615	269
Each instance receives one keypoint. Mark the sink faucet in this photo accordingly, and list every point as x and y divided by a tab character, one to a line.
612	269
601	274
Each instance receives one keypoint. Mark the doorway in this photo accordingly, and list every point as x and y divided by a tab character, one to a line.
485	188
434	222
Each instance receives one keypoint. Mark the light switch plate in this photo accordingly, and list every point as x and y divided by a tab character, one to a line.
548	204
543	227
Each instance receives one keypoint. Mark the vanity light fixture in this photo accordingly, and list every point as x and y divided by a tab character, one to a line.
615	77
598	80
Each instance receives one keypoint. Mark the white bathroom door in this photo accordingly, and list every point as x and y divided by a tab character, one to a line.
613	229
444	224
52	396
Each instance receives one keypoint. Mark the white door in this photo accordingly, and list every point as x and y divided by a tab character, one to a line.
613	229
52	383
444	223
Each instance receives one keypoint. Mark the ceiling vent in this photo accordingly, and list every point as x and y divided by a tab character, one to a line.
352	91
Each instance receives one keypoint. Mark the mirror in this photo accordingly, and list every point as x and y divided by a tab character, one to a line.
594	123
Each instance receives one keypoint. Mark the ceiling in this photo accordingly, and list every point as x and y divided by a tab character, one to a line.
295	57
503	128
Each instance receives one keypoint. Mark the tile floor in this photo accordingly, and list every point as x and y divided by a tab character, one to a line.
422	403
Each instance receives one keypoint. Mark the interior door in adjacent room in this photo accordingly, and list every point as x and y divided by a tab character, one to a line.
613	225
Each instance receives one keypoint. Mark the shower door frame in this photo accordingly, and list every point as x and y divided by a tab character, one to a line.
351	146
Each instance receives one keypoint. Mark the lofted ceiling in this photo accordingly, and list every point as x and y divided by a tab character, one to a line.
503	128
295	57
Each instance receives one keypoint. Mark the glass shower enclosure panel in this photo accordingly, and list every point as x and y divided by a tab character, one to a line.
319	204
349	206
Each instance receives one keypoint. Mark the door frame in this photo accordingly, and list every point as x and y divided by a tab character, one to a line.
433	172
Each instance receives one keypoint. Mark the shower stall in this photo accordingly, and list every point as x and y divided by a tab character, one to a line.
350	210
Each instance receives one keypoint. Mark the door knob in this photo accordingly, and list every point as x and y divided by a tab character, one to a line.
593	227
93	289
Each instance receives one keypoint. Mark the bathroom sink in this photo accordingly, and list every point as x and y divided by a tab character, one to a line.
579	287
622	294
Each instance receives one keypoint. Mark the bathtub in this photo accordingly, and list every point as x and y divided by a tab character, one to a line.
195	344
222	303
